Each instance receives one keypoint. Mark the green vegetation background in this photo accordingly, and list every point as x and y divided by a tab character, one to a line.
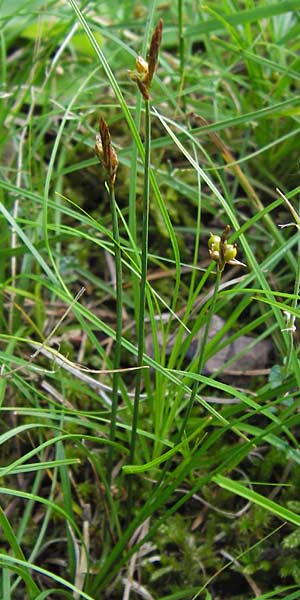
190	487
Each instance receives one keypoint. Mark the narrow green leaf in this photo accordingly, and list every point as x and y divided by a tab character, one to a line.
8	532
241	17
10	561
241	490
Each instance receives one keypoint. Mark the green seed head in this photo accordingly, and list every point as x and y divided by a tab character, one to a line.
230	252
214	242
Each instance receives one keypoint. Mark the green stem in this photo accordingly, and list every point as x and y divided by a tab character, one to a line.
141	333
181	39
291	357
118	343
181	42
200	364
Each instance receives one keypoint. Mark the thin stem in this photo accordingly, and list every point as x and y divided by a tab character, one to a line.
200	363
181	38
118	343
144	262
291	356
181	43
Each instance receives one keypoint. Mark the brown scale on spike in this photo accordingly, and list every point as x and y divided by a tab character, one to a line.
105	152
145	69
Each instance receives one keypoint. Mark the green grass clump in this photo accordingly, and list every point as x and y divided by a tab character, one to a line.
150	376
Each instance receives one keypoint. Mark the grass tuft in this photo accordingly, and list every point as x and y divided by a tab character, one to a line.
149	386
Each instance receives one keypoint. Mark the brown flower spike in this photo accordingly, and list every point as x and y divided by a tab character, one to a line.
153	53
145	69
106	153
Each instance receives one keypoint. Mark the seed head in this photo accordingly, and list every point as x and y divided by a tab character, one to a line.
145	69
222	252
105	152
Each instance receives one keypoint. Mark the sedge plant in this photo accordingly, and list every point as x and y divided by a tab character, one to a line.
55	424
222	253
108	157
143	77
